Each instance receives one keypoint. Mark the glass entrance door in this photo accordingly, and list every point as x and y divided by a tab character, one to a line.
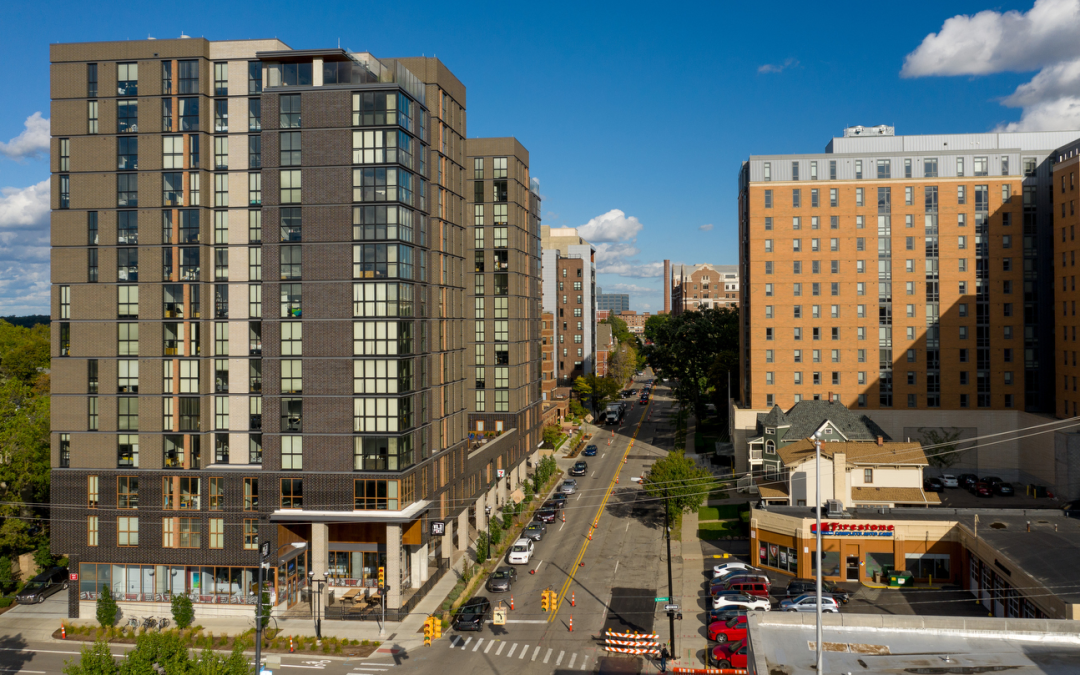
853	568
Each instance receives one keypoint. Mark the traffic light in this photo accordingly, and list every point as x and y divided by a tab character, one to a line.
544	604
429	629
382	576
436	624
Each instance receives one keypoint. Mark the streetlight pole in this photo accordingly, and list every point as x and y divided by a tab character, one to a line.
817	553
318	600
487	514
671	587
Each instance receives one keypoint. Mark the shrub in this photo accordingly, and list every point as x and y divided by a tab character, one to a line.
43	558
6	602
183	612
96	659
106	607
7	578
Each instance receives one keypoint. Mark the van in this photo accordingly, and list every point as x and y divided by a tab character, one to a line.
755	588
751	578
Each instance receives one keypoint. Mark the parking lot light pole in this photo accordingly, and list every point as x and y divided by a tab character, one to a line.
817	553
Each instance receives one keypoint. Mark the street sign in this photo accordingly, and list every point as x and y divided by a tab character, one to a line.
664	599
671	608
74	576
500	472
499	617
265	549
438	528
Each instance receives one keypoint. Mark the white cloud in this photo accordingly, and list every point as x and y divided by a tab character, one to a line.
611	226
24	253
631	268
32	142
627	288
994	42
778	67
707	227
646	305
607	252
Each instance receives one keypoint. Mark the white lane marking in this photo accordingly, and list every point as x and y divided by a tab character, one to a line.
583	661
524	652
564	525
360	669
379	663
628	529
605	455
548	655
477	646
34	651
579	497
573	657
617	571
466	644
453	641
286	665
536	653
511	652
12	670
501	647
541	563
559	660
526	621
490	644
594	476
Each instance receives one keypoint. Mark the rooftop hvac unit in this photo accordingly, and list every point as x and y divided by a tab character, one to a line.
834	507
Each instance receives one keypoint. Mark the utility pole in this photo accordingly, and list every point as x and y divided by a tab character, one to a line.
817	553
671	586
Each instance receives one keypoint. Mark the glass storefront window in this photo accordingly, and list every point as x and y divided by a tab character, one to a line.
876	562
830	563
157	583
778	556
355	568
925	565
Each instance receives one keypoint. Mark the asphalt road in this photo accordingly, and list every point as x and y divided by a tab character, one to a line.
624	559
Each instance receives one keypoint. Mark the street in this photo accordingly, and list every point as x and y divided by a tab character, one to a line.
608	581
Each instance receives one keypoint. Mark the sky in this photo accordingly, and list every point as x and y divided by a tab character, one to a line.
636	117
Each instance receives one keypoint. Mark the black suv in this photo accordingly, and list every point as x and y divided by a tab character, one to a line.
554	504
472	614
545	516
43	585
799	587
579	469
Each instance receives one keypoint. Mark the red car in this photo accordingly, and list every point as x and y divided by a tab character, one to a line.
982	489
730	655
728	631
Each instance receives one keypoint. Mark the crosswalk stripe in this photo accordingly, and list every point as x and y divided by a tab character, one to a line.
466	644
573	657
477	646
453	641
537	652
583	661
488	648
511	652
524	651
501	647
558	661
548	655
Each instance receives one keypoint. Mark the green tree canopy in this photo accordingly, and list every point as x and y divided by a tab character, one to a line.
619	330
686	348
682	481
597	390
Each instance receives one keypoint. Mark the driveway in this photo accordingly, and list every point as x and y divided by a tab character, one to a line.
55	606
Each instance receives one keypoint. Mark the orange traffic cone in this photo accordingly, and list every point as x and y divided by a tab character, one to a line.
291	649
511	603
616	480
564	516
572	603
63	631
571	623
590	535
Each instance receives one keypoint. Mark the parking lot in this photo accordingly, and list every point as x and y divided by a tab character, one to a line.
959	498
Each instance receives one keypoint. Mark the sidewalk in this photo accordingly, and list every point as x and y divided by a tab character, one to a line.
688	579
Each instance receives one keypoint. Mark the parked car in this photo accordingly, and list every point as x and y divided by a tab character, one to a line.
545	516
728	631
1071	509
558	496
933	485
797	587
521	552
579	469
966	480
724	613
568	487
719	570
1004	489
991	480
43	585
981	489
741	600
644	400
718	584
554	504
502	580
808	603
730	655
534	530
472	615
949	480
589	451
756	587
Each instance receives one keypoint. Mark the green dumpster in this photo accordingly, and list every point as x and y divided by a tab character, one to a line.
900	579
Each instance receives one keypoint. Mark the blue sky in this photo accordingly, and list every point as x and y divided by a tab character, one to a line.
636	117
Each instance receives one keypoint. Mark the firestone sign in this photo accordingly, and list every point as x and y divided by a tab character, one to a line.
853	530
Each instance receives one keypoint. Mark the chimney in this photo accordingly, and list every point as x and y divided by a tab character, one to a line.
667	286
880	440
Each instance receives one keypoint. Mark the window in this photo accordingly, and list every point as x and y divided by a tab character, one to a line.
127	531
254	114
189	77
127	190
768	199
981	166
254	152
127	79
189	114
290	186
255	193
834	196
251	534
217	533
859	197
796	198
221	114
91	80
868	476
961	194
221	189
91	116
379	495
166	115
858	169
290	148
884	169
290	111
292	493
959	166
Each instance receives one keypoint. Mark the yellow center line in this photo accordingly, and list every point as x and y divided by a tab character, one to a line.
607	495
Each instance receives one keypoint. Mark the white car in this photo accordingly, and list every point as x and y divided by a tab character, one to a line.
949	480
521	552
808	603
723	568
740	600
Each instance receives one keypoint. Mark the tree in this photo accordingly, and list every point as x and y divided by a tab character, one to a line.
7	578
686	347
165	651
183	611
943	454
43	558
683	483
106	608
96	659
482	547
623	362
598	390
654	324
619	330
552	433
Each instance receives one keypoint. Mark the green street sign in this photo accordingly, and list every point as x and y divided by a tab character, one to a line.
662	599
